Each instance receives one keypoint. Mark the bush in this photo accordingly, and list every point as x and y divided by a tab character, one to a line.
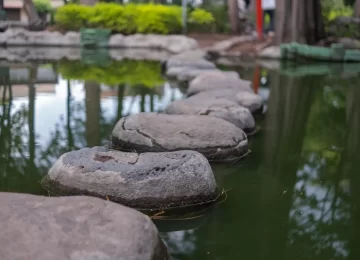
43	6
200	16
73	16
219	11
334	8
116	72
128	19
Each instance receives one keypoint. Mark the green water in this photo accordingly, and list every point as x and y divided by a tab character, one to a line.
297	196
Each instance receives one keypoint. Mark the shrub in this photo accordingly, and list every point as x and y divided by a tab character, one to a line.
128	19
73	16
42	6
116	72
201	20
200	16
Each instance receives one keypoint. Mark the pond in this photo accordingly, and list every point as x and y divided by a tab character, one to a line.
297	196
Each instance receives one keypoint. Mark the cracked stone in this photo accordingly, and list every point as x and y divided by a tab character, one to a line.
220	108
79	227
144	181
152	132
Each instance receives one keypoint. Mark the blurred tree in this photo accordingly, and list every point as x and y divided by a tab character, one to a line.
299	21
357	8
233	12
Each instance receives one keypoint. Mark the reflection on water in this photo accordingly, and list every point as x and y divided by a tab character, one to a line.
296	197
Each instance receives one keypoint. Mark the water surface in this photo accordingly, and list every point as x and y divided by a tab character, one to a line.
297	196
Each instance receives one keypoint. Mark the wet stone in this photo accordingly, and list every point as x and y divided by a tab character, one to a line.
210	80
215	138
75	228
143	181
250	100
220	108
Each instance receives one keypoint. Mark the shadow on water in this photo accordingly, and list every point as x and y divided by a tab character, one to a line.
296	196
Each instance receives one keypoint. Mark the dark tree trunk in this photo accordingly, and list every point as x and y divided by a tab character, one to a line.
92	104
233	12
289	104
352	165
357	9
299	21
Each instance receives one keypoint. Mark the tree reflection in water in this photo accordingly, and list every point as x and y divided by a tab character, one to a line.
297	196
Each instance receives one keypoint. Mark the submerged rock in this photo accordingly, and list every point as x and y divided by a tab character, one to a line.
216	139
220	108
251	101
144	181
211	80
75	228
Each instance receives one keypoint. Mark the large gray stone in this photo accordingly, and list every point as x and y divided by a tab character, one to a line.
31	53
171	43
191	55
218	80
145	181
198	64
75	228
251	101
186	74
21	37
248	99
215	138
220	108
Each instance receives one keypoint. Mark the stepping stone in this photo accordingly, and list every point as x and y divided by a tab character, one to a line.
81	228
143	181
186	66
251	101
220	108
198	64
215	138
210	80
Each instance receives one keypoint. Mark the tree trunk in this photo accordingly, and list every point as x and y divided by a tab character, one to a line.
31	11
233	11
357	9
92	104
299	21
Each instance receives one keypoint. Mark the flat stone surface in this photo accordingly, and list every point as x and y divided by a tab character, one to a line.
248	99
272	52
143	181
75	228
198	64
216	139
210	80
190	55
171	43
220	108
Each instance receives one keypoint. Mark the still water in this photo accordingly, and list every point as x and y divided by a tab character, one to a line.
297	196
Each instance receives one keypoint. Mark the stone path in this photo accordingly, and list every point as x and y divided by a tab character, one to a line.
157	161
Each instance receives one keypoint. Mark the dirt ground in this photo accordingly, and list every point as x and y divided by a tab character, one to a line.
207	40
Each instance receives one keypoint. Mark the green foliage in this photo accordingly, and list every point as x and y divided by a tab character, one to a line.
334	8
116	72
73	16
43	6
220	14
201	16
129	18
